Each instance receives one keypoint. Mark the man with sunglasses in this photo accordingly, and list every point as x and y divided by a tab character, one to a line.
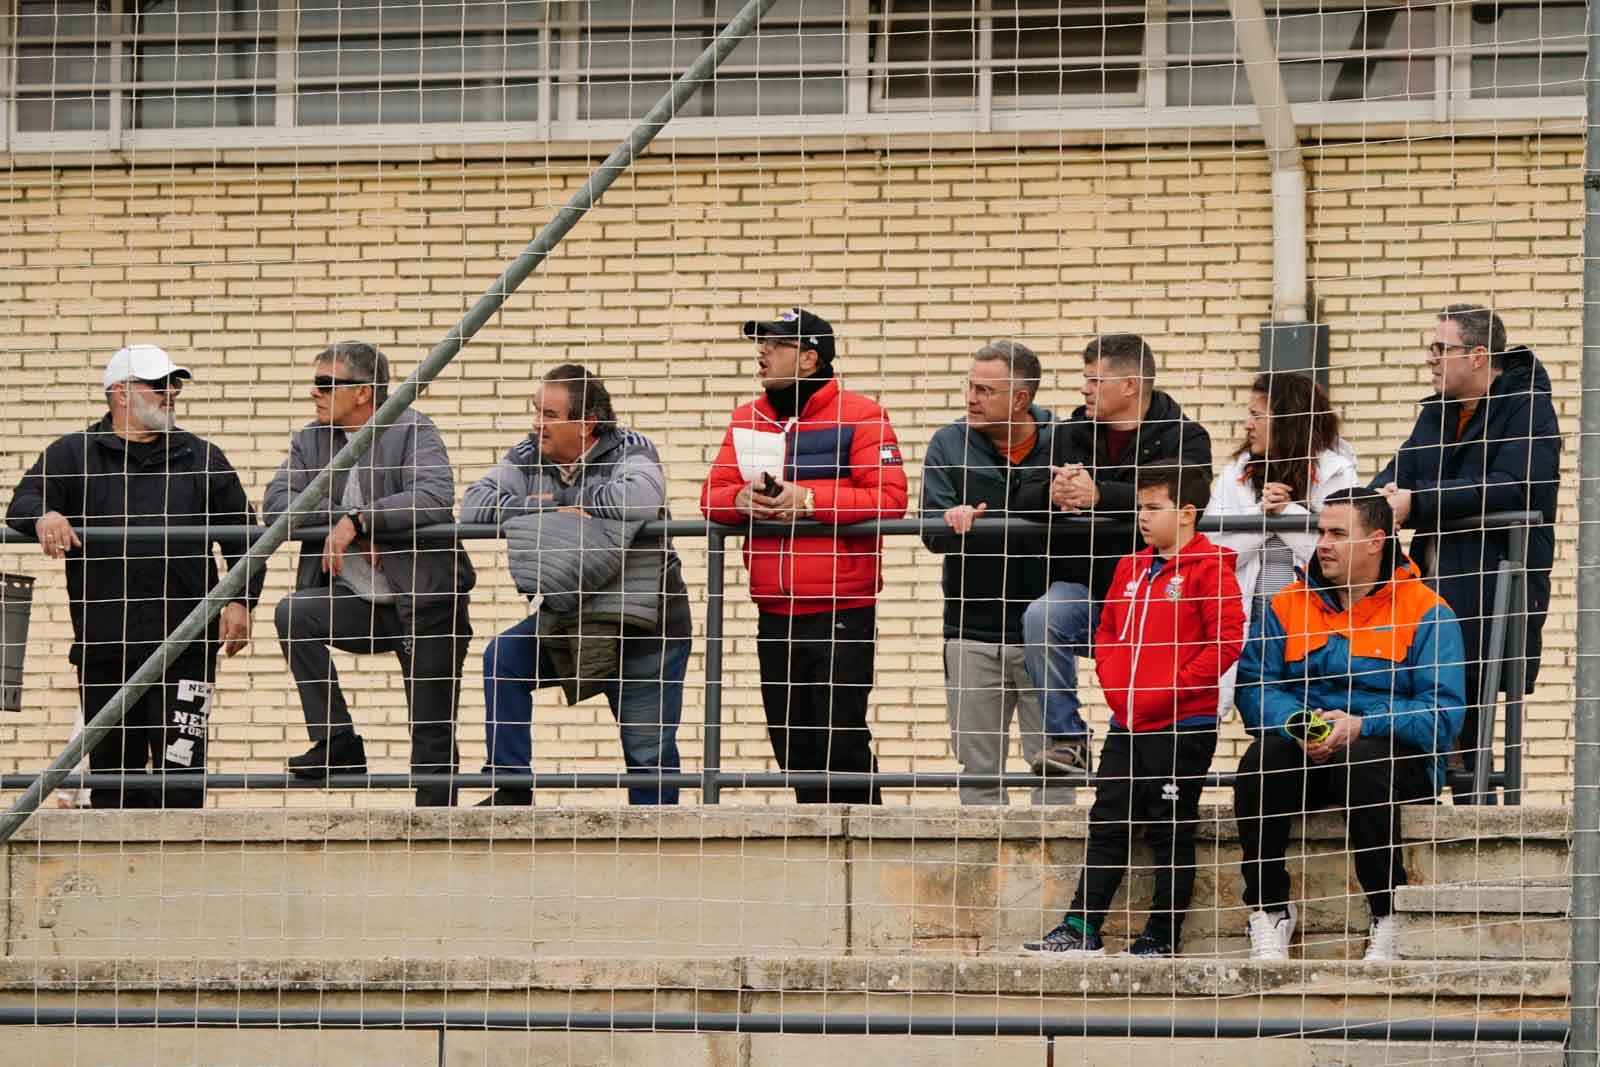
1125	423
134	467
1486	440
371	586
809	451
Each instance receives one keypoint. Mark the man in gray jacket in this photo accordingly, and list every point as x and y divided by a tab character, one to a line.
371	588
573	498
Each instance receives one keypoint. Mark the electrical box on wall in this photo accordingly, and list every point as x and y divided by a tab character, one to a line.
1295	346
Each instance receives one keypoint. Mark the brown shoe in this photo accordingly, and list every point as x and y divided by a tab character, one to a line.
1063	756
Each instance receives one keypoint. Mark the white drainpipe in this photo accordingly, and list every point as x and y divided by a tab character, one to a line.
1283	150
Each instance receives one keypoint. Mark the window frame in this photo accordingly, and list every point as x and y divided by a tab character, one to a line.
866	110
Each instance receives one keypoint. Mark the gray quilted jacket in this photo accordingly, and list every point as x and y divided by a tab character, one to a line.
597	567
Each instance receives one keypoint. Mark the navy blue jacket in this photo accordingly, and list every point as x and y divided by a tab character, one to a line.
1508	458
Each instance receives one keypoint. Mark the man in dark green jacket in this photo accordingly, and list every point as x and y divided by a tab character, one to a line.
967	475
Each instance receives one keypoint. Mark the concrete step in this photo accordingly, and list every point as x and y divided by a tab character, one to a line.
1014	986
688	881
1475	921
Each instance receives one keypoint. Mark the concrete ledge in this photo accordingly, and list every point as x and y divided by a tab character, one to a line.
1019	976
1438	823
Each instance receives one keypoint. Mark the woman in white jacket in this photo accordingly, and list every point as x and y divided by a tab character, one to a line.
1291	459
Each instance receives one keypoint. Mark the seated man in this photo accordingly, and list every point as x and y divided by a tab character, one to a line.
1353	684
578	464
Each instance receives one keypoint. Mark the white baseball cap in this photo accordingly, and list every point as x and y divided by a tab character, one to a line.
148	363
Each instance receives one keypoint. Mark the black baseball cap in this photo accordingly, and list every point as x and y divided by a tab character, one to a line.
798	325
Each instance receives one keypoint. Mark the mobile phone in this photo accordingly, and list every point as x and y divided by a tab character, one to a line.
770	485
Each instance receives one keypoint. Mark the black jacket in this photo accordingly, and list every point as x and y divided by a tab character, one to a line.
988	582
1508	458
126	596
1165	433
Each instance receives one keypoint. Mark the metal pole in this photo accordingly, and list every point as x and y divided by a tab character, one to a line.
1516	677
1488	695
1583	1045
537	251
716	606
886	1024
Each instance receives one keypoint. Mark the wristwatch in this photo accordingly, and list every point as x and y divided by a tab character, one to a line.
808	506
357	520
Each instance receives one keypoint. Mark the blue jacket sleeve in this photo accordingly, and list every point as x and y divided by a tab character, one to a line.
1264	698
1428	714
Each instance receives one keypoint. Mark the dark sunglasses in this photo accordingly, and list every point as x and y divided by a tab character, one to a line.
326	383
172	383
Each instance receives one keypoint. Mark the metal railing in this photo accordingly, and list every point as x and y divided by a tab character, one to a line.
1507	637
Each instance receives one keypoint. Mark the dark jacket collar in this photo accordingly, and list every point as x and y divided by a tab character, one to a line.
1043	420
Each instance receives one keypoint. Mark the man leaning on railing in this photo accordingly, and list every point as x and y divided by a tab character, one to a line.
134	467
366	592
1486	440
610	612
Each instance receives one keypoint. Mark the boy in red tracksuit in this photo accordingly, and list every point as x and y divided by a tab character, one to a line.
1172	624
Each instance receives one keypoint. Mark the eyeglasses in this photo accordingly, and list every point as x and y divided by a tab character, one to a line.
776	342
327	383
1439	348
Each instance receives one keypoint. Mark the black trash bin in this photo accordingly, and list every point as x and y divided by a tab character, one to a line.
16	606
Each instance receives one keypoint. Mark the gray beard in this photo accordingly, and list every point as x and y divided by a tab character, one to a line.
150	416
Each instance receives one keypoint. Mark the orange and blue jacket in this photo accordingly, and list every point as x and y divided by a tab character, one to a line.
841	447
1395	659
1169	630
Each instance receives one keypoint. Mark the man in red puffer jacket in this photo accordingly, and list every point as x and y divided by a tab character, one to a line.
809	451
1171	626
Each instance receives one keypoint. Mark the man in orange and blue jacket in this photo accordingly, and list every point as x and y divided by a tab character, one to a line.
1354	685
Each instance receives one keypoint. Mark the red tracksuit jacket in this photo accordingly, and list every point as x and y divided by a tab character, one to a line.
842	448
1166	638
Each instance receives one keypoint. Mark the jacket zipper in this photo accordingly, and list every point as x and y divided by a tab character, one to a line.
1142	594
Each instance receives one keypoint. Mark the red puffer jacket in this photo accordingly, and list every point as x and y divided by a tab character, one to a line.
842	448
1167	634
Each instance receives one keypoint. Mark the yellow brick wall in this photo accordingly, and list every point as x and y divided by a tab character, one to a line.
918	255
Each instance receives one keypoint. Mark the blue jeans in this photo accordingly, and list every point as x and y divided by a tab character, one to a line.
647	702
1056	630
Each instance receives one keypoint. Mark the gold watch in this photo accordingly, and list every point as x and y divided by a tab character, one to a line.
809	505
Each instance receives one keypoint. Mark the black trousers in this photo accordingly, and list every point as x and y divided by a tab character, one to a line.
1151	782
164	730
816	675
1368	783
312	621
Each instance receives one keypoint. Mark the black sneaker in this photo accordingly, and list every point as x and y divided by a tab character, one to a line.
1067	940
1063	756
1151	947
508	797
342	753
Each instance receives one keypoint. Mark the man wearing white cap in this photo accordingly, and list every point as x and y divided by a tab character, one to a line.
134	467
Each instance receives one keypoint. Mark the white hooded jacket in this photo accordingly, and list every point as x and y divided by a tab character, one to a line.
1232	494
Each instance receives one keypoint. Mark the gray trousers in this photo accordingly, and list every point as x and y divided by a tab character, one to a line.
985	686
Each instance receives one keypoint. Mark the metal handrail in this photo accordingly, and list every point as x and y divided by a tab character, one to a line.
712	779
873	1024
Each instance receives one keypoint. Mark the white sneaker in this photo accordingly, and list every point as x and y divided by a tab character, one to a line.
1270	933
1383	942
